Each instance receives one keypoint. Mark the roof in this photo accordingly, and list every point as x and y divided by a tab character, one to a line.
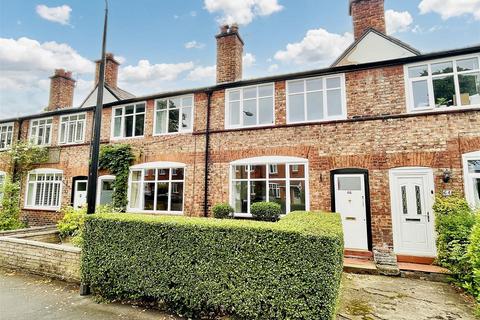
114	94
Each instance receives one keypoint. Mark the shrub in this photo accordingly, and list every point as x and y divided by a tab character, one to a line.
207	267
72	221
473	253
266	211
10	208
222	211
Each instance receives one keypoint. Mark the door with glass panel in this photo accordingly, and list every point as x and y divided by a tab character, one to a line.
471	173
412	198
80	194
105	192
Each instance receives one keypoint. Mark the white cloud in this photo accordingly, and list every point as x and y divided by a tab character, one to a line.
241	11
202	73
248	60
59	14
145	73
318	47
194	45
397	21
273	67
451	8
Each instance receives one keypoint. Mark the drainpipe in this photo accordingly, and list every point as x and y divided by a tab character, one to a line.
207	154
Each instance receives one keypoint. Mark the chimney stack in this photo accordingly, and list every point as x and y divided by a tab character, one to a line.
61	90
229	54
367	14
111	70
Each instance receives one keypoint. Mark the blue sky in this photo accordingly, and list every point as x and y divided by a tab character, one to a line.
166	45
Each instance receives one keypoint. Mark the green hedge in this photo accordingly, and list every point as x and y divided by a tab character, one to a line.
290	269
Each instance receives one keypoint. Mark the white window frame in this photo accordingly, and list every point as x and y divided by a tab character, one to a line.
180	112
30	131
324	90
67	128
241	89
99	186
3	176
45	171
267	161
467	176
161	165
4	135
408	84
122	126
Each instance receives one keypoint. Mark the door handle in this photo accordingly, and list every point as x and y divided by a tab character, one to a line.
350	218
428	216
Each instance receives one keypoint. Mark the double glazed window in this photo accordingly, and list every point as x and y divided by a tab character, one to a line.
282	183
472	178
250	106
44	189
315	99
41	131
6	134
173	115
444	84
129	121
156	189
72	129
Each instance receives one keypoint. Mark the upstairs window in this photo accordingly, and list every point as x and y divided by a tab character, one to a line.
173	115
129	121
72	129
316	99
6	135
444	84
41	132
44	189
249	106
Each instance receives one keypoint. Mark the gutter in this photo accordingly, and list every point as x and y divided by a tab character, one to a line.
207	154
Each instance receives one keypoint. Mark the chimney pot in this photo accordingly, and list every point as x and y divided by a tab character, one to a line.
234	28
224	29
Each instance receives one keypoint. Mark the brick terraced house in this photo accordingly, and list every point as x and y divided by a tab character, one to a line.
374	137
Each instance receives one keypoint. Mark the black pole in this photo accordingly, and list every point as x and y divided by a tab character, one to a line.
207	154
97	122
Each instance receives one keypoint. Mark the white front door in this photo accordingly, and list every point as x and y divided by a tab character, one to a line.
412	197
350	203
80	194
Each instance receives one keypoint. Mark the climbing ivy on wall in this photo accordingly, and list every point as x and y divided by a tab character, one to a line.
117	159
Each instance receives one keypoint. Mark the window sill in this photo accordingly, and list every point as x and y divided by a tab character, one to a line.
156	213
319	121
53	209
249	127
442	109
126	138
167	134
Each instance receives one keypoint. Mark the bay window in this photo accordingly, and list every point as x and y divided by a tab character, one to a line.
444	84
173	115
128	121
282	180
316	99
41	131
6	135
44	189
72	129
249	106
157	188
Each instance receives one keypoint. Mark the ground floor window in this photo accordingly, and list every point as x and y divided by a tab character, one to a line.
105	190
471	173
44	188
157	187
282	180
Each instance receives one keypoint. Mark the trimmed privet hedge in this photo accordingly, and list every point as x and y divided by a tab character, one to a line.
200	267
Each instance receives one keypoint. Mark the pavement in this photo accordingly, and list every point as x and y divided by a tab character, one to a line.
364	297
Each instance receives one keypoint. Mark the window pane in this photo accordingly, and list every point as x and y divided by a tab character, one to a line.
240	172
265	106
467	64
63	129
30	195
250	112
148	196
349	183
161	122
163	174
265	91
187	101
136	175
187	118
420	94
296	86
173	120
314	84
128	131
278	193
139	122
47	134
234	114
279	173
135	196
161	104
176	199
334	102
234	95
177	174
82	186
118	112
129	109
149	175
140	108
315	105
474	166
404	199
442	67
71	132
296	109
240	190
117	127
258	191
162	196
258	172
297	195
418	200
297	171
469	88
175	103
444	91
79	136
476	191
420	71
250	93
333	83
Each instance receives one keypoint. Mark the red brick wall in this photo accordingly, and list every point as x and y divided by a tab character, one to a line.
229	55
367	14
61	90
